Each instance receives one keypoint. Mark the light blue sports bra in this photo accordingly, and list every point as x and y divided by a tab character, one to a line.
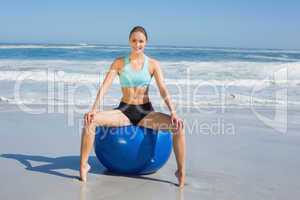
129	77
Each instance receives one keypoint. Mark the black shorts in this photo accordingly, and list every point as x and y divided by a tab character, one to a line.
135	113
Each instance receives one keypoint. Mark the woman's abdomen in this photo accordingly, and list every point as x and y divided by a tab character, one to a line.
135	95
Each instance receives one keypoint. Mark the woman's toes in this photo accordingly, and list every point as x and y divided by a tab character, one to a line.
180	177
84	171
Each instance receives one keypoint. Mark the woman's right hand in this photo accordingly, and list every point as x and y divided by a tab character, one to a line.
89	117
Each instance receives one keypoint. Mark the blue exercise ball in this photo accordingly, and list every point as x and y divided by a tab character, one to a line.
132	149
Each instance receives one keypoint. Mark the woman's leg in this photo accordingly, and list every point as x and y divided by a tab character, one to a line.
161	121
103	118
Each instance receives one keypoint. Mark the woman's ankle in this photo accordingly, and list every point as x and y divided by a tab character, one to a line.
181	169
84	164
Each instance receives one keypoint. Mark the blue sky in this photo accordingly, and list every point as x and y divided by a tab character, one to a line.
240	23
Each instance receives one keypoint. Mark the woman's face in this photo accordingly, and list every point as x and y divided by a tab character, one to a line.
137	42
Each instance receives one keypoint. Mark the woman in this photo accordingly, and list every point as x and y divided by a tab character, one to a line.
135	72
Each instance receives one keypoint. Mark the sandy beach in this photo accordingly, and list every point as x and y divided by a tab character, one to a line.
40	160
229	70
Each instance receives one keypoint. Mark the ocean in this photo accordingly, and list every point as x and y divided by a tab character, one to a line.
195	76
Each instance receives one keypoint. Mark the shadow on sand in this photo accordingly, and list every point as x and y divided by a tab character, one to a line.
51	164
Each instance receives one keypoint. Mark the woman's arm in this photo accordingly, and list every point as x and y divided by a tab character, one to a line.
110	76
158	75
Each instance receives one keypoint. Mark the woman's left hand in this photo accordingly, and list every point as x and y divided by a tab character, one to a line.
176	121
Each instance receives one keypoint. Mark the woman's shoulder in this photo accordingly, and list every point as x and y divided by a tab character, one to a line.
153	63
118	62
152	60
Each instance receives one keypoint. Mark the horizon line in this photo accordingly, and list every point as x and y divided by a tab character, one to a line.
154	45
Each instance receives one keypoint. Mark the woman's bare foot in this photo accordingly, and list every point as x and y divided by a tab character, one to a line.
181	177
84	169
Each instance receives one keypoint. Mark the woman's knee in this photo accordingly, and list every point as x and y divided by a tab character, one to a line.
89	127
179	130
96	118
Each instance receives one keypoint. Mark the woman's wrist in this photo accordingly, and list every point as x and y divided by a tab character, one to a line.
93	110
173	112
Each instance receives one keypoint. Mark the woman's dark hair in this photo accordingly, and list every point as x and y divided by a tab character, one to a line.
138	29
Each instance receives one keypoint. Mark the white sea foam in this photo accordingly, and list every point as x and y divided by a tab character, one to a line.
67	77
179	70
150	47
244	75
46	46
278	58
82	65
229	50
229	100
52	76
65	65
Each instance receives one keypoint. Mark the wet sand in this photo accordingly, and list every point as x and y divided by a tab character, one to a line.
244	159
